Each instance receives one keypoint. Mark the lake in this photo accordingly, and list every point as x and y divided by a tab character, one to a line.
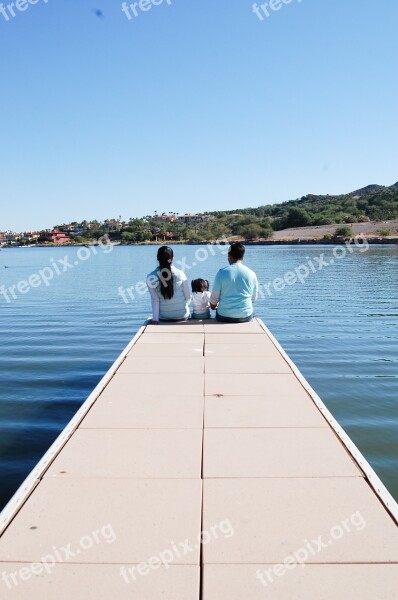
66	314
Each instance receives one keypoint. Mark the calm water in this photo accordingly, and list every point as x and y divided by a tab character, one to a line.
340	327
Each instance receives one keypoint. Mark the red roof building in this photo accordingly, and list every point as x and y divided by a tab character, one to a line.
55	236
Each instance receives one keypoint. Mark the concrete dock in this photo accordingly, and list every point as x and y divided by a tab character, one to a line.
203	466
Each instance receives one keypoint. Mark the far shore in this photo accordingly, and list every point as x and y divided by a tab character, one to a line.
258	242
300	235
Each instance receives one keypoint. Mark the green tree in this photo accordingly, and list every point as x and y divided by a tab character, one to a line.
344	231
255	231
297	217
127	236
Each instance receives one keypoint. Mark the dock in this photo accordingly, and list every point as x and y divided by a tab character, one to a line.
202	467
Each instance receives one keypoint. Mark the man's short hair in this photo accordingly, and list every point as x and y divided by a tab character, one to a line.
237	251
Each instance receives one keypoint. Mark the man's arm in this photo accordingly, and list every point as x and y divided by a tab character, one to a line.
215	293
255	291
214	300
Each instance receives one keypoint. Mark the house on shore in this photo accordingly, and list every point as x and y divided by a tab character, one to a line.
54	236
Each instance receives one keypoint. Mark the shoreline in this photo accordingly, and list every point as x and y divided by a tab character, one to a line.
392	241
300	242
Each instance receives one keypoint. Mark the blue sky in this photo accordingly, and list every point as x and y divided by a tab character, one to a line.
192	106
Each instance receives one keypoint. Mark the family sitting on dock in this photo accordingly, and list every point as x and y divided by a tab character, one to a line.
234	290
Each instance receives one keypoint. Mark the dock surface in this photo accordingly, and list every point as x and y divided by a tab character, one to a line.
202	467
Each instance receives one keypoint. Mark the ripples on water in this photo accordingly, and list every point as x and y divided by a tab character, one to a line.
340	328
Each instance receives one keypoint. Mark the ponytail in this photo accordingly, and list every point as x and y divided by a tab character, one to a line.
165	258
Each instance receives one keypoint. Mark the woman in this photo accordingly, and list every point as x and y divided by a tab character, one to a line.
169	289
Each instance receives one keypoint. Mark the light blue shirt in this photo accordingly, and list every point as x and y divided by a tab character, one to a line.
235	288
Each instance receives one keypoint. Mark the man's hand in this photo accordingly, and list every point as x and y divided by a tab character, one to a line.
213	306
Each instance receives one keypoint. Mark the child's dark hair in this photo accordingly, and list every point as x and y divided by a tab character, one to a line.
200	285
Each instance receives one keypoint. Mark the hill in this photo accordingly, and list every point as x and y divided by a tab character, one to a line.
369	189
372	203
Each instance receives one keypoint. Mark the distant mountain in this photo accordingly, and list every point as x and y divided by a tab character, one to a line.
369	189
373	202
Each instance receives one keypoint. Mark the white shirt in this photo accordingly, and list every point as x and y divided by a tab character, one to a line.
200	302
177	306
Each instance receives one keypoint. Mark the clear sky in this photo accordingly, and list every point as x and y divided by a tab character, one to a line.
192	105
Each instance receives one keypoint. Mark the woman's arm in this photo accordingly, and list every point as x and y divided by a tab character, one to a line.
186	290
154	301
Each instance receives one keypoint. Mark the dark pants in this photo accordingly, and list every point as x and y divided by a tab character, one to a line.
222	319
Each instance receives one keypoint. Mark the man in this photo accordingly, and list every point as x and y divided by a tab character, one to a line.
235	289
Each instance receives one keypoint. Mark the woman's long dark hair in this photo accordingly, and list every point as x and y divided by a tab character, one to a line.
165	258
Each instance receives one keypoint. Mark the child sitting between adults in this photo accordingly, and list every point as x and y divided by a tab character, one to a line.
200	299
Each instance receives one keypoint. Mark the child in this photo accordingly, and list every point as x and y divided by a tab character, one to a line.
200	299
